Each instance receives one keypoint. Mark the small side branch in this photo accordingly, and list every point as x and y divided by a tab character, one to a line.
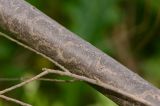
40	79
37	77
99	83
94	81
23	83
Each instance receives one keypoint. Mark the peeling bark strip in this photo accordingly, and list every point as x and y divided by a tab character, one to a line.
46	36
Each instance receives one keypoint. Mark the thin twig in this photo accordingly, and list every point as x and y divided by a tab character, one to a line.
58	80
14	100
23	83
40	79
97	82
94	81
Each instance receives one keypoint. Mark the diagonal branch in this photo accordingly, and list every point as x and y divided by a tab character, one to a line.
45	36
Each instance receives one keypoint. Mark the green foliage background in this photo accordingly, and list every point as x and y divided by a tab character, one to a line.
100	22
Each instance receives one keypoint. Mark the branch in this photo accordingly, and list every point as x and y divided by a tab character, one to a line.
98	83
37	77
78	77
48	38
24	83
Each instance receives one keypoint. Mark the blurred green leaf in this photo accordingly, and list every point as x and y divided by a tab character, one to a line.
6	50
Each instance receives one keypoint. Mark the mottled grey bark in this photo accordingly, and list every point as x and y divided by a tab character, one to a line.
35	29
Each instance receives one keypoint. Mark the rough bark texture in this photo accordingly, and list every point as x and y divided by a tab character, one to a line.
43	34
